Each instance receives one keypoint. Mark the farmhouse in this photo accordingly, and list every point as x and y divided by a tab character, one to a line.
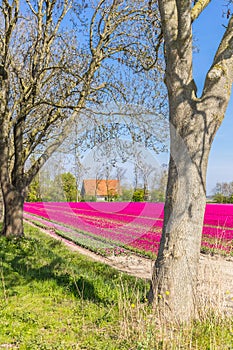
101	190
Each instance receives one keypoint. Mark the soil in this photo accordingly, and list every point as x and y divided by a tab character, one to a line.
215	272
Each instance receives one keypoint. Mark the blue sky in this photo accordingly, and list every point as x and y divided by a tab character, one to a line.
208	30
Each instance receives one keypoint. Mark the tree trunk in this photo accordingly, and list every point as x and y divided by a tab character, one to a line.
12	185
175	270
1	205
13	202
193	125
174	281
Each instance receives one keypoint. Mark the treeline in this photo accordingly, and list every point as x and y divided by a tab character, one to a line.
63	188
60	188
223	192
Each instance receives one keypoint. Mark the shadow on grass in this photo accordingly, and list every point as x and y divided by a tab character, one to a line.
80	287
25	260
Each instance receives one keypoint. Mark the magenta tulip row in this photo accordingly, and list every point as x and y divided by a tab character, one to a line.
136	224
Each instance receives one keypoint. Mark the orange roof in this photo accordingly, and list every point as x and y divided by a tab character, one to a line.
100	187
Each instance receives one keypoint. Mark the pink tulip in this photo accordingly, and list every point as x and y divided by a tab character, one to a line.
138	225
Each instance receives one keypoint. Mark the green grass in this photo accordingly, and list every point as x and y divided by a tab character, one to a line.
52	298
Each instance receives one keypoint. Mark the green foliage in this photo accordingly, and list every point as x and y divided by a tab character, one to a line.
69	186
223	192
220	198
34	194
126	194
138	195
62	188
88	199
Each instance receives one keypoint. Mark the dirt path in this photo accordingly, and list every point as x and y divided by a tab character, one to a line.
215	272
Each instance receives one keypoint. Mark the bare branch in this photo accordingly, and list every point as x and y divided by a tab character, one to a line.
198	8
221	72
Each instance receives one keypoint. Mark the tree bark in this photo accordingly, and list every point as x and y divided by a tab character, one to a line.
13	211
175	272
13	191
193	124
1	205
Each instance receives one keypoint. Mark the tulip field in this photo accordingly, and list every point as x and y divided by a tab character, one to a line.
113	227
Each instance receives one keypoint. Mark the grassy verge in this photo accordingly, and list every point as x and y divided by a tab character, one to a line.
51	298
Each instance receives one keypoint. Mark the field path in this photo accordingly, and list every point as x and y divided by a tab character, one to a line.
215	272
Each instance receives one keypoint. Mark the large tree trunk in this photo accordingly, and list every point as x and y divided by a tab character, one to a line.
174	282
13	191
1	205
193	124
13	211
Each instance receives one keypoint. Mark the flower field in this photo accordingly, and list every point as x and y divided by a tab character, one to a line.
135	226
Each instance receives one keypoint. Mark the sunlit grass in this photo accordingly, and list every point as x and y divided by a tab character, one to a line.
52	298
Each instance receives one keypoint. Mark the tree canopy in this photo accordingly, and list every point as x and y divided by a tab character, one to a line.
59	61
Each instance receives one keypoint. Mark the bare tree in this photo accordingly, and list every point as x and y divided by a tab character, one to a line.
120	174
193	124
50	73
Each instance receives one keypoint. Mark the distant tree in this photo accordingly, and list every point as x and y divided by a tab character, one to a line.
34	189
69	186
144	169
126	194
223	192
219	198
158	192
34	194
120	174
225	188
138	195
48	190
157	196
